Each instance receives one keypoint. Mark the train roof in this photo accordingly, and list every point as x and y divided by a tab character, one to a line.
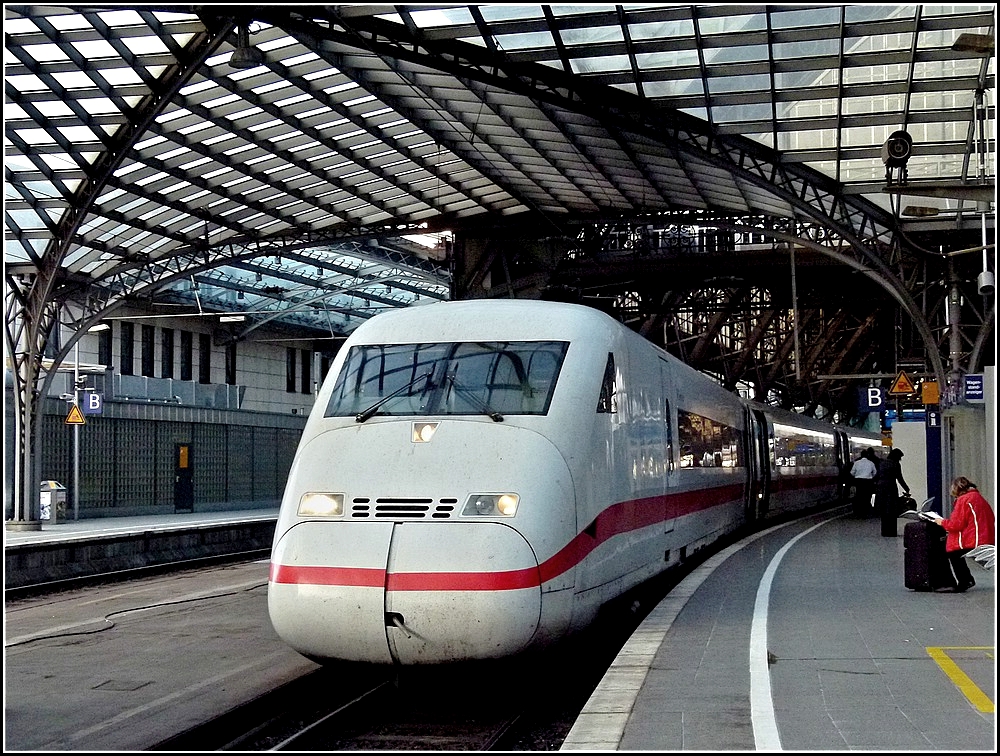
529	320
487	319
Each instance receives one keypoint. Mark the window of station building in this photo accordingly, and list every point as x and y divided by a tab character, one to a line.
231	363
290	363
204	358
167	353
307	369
147	357
187	355
127	348
707	443
104	340
53	344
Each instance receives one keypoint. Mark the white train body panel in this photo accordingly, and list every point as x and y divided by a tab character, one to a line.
635	461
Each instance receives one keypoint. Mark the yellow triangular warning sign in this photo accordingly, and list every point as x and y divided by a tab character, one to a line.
902	384
75	417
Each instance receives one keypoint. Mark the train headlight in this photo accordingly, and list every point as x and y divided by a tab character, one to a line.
321	505
491	505
422	433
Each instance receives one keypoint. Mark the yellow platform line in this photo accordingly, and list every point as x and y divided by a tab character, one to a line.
961	680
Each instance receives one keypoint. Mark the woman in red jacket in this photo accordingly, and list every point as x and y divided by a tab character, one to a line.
972	523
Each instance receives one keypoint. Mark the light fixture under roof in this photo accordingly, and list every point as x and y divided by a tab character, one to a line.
918	211
245	55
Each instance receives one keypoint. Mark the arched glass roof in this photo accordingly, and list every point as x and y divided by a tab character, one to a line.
318	182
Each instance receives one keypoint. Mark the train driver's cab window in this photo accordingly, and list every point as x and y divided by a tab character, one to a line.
495	378
607	402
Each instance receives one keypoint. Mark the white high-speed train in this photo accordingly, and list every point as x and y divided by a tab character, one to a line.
478	477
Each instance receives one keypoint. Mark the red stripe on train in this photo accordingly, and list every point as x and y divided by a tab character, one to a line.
620	518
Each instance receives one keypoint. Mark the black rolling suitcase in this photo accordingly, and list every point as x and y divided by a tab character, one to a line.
925	565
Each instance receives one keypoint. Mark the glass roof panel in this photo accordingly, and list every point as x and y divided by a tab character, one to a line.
441	17
120	77
592	35
601	65
731	24
936	69
518	12
19	26
573	10
875	74
806	49
810	17
120	18
673	87
666	59
736	54
734	113
806	139
747	83
145	45
524	41
856	13
884	103
870	43
661	30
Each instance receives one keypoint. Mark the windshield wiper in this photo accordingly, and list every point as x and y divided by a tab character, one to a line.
474	398
367	413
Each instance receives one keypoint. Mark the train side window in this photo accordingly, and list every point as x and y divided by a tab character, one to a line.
607	402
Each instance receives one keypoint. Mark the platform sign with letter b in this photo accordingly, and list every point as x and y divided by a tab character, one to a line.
871	399
92	403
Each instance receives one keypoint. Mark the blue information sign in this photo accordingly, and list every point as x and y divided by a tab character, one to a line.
92	403
871	399
974	390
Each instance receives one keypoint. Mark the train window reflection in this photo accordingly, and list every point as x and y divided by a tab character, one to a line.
708	443
454	378
801	447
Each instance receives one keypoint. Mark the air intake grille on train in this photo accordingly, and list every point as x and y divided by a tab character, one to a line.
403	508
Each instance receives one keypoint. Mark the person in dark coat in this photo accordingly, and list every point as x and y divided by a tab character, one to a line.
886	494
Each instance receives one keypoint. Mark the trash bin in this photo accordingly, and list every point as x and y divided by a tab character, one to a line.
53	501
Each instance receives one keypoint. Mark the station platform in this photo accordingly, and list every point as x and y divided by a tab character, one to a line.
97	527
73	549
803	637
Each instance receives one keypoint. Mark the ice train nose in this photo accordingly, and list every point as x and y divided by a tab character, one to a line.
411	592
460	591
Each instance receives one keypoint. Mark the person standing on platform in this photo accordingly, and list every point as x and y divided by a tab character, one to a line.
863	474
886	493
972	523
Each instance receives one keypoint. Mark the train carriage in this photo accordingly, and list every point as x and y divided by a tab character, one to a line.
477	478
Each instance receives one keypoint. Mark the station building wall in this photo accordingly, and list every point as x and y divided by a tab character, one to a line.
242	427
240	459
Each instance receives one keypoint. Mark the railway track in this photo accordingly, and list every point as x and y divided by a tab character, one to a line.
426	715
281	714
42	587
511	705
